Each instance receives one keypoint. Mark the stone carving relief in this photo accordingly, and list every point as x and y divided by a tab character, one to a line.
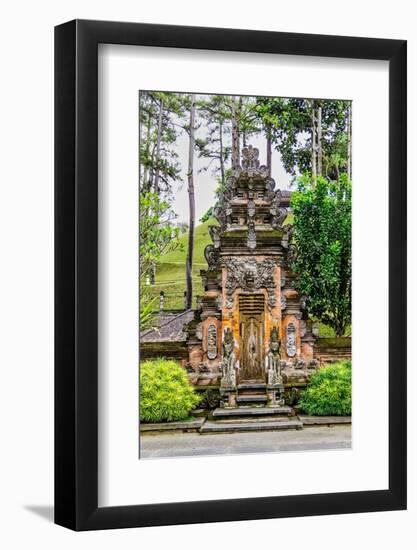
292	254
231	182
269	188
212	342
272	301
291	340
283	302
220	214
212	256
288	232
249	275
214	231
250	165
228	364
274	359
250	157
251	209
222	210
299	364
313	364
251	238
278	214
189	368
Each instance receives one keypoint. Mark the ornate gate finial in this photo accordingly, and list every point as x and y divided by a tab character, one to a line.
250	157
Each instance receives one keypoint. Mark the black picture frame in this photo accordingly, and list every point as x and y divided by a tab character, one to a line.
76	272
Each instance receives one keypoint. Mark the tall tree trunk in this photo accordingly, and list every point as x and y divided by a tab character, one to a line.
268	151
235	135
145	182
221	152
349	141
158	147
313	141
319	141
191	202
238	125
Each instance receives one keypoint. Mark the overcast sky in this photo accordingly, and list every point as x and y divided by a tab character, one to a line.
205	182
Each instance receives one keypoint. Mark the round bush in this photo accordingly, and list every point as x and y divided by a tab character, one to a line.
165	392
329	391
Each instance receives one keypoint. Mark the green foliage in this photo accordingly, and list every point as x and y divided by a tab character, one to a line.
288	121
159	167
209	214
322	223
215	110
147	304
157	234
329	391
166	395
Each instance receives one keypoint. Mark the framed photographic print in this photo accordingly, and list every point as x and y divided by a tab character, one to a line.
230	275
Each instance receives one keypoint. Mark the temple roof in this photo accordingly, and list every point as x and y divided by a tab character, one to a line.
168	327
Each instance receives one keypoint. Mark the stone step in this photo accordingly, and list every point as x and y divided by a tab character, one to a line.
184	425
252	386
252	398
250	426
324	420
251	411
260	419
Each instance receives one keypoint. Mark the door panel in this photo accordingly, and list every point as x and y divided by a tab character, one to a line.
251	332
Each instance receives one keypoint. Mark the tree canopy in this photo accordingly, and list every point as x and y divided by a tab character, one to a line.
311	135
322	223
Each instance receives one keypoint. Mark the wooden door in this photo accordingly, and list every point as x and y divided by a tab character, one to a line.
251	337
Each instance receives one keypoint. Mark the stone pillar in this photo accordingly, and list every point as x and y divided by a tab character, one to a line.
228	395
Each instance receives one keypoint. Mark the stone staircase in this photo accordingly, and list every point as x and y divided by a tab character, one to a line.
251	414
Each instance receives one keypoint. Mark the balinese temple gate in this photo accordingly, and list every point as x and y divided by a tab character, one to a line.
249	327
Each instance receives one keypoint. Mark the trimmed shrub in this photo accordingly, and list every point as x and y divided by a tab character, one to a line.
329	391
166	394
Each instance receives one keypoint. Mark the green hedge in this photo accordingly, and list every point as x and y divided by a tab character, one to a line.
329	391
166	394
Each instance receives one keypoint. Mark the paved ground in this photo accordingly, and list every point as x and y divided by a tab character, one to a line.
194	444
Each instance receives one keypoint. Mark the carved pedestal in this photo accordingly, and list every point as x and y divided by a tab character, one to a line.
228	396
275	395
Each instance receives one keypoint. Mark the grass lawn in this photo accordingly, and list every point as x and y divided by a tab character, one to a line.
170	272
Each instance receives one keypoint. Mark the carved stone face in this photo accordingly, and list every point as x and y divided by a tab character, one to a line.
250	276
228	347
274	345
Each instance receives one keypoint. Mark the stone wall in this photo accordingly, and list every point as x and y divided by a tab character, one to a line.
331	350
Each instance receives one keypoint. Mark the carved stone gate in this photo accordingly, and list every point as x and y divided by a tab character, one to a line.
249	326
